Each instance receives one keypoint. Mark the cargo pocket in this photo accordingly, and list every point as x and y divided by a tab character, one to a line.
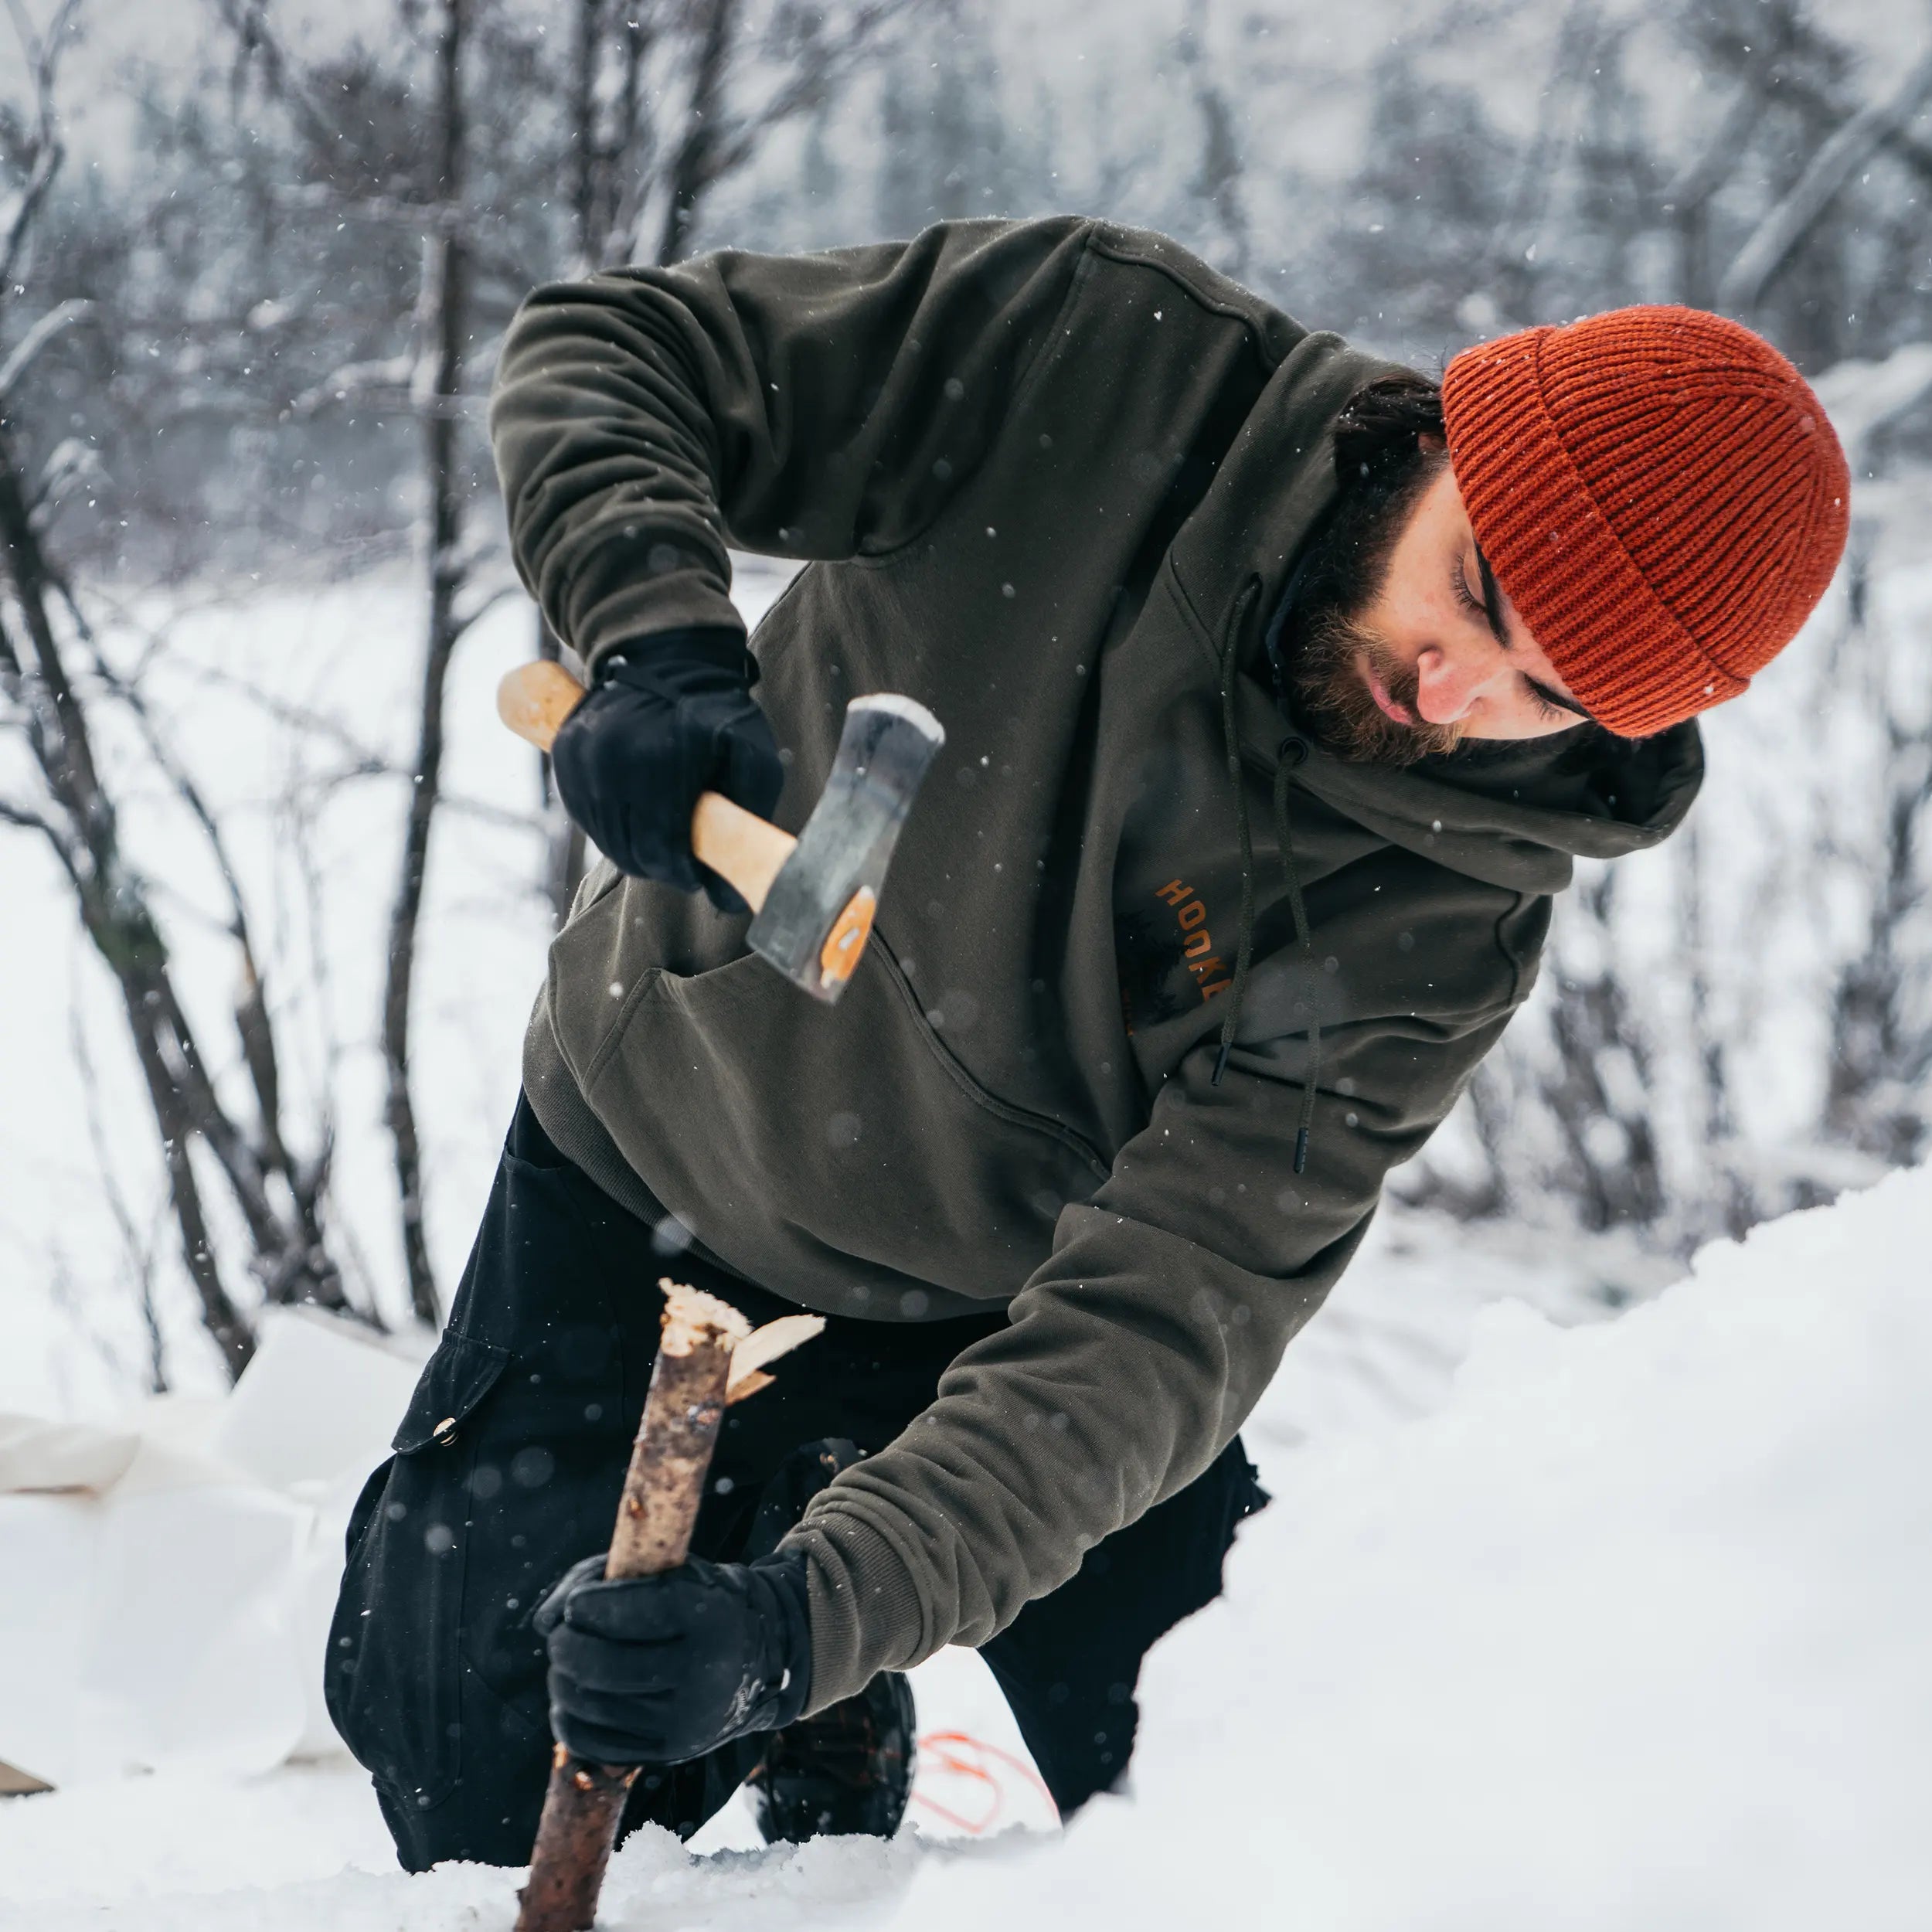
392	1676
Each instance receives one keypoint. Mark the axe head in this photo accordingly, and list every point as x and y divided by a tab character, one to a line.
813	924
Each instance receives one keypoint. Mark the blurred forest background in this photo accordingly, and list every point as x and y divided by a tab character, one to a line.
255	259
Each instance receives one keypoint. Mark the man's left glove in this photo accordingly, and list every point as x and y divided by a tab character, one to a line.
657	1670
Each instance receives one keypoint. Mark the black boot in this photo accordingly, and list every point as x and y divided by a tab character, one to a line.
848	1771
845	1772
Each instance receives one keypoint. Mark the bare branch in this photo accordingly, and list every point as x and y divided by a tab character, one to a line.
1834	164
810	81
388	377
56	319
695	165
1861	398
463	619
139	1253
115	910
388	211
251	1014
449	218
363	760
44	57
29	820
441	335
248	20
179	779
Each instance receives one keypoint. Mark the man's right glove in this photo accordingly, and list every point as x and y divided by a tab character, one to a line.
667	718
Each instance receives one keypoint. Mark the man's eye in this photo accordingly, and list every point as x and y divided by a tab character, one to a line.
1547	709
1467	598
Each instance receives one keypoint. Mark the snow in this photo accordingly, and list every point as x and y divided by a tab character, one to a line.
1628	1632
189	1562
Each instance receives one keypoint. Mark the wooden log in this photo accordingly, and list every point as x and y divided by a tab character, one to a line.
691	1383
582	1806
664	1484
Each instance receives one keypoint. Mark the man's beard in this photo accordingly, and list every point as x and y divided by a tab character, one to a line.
1331	655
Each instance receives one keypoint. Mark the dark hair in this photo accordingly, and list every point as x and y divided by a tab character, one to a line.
1382	468
1377	436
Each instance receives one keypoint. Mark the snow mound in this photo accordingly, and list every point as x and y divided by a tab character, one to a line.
1632	1634
653	1882
1629	1637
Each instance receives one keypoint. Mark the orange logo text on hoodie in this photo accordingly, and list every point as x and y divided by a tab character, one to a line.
1197	945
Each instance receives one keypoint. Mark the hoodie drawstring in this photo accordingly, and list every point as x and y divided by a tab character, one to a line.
1283	835
1244	944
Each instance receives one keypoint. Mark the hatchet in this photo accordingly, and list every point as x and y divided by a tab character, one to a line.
813	896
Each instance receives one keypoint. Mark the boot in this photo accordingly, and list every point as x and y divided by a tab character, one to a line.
846	1772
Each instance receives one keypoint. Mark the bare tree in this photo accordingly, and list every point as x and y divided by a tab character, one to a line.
664	103
1828	172
1877	1090
1685	201
43	628
1217	185
442	334
1881	1038
433	380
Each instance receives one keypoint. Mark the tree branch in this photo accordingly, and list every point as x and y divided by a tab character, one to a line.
1758	262
56	319
43	59
442	327
29	820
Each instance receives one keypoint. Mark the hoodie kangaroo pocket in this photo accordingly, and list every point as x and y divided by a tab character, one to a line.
841	1155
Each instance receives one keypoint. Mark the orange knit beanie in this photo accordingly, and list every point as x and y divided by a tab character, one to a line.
1661	495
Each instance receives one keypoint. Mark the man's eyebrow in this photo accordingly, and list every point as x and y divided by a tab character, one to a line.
1492	610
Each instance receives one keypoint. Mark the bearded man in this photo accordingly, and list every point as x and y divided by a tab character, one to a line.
1281	687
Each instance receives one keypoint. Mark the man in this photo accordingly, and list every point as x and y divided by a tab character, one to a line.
1281	687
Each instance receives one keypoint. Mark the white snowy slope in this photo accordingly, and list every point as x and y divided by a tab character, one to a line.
1631	1633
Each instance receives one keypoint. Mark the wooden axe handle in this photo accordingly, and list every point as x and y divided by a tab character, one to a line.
534	700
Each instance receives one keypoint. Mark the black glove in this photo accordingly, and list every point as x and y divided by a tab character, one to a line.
657	1670
667	718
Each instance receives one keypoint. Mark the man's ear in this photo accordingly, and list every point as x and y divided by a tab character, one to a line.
1431	443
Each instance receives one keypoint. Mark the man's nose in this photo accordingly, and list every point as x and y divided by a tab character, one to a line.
1447	683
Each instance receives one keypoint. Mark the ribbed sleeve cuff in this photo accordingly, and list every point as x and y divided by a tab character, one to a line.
681	599
865	1613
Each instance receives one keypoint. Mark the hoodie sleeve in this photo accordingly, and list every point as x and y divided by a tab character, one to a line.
814	407
1135	1352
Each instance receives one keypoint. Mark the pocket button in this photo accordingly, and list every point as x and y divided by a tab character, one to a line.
443	1434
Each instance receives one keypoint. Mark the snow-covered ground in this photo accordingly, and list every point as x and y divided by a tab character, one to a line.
1630	1632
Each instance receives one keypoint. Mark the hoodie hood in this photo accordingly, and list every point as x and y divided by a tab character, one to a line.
1512	815
1519	814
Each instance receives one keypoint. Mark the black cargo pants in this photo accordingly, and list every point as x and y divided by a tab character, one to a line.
507	1469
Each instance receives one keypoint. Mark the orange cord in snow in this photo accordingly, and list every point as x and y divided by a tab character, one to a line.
950	1750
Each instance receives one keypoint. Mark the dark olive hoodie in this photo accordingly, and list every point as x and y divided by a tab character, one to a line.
1050	479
